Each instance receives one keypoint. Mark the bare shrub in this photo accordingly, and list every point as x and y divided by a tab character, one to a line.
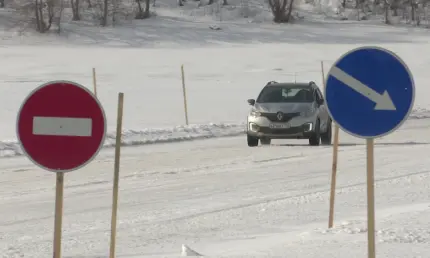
281	10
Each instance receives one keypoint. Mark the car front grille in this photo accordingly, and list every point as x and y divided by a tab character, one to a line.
286	116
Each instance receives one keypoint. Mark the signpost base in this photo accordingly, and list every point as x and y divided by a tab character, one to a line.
58	214
370	199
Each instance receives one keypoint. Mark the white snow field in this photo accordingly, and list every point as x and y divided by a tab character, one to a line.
200	186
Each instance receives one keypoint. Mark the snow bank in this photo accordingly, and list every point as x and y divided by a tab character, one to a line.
133	137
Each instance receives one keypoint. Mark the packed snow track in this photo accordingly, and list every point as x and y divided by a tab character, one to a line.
222	198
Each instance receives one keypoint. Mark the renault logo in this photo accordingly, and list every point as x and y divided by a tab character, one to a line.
279	115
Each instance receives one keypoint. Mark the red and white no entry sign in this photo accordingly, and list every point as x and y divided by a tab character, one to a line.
61	126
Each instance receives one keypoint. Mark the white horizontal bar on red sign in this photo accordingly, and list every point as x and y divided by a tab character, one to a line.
62	126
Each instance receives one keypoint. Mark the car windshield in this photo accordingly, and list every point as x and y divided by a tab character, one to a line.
290	94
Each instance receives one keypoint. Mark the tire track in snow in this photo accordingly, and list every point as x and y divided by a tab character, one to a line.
299	198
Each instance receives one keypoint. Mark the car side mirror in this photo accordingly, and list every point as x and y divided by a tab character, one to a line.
251	102
320	101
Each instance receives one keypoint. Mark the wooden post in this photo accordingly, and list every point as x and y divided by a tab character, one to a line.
322	73
58	214
370	199
185	94
94	82
334	163
116	174
333	176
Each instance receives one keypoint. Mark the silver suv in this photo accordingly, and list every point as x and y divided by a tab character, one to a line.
289	111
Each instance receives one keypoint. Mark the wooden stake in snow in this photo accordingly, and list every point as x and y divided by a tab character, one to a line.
184	94
334	164
116	174
94	81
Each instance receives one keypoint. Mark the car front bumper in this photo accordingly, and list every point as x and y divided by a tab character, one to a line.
298	128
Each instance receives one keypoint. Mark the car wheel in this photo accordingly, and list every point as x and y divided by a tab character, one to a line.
252	141
327	136
314	140
265	141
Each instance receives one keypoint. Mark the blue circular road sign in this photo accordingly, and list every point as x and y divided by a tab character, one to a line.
369	92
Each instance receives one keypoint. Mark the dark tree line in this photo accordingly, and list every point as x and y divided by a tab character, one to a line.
46	13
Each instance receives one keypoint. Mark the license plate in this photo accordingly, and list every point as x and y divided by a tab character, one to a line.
279	126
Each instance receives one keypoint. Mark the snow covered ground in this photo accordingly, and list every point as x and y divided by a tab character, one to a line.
215	195
224	199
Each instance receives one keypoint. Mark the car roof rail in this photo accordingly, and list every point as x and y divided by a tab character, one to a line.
271	82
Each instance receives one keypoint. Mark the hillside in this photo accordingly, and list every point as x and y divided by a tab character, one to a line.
197	23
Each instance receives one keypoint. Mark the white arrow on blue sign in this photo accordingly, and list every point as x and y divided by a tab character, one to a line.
369	92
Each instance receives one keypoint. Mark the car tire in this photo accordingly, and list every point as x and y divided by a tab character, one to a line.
265	141
252	141
315	138
327	136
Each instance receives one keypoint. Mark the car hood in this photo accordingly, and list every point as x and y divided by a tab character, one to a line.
283	107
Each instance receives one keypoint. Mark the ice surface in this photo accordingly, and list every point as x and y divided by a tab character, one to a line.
217	88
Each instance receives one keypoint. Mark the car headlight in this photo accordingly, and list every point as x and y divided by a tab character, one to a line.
255	114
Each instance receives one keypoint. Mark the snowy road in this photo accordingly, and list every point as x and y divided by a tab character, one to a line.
222	198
